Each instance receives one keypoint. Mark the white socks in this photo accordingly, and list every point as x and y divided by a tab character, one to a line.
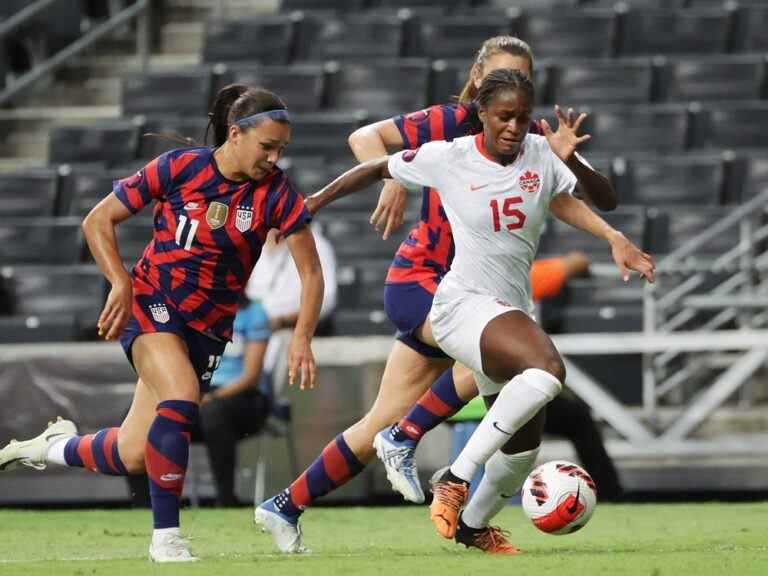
503	478
158	534
55	452
519	400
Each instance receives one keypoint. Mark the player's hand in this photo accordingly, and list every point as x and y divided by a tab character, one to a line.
565	140
629	257
117	310
301	361
389	213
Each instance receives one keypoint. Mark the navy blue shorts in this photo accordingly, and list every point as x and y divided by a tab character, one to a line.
407	304
151	313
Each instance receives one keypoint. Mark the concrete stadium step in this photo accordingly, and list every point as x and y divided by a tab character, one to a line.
182	38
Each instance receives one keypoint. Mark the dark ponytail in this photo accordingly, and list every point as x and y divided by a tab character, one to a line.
237	101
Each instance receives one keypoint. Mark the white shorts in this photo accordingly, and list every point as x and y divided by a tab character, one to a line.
458	318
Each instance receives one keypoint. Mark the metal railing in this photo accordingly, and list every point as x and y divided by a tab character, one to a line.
141	11
699	294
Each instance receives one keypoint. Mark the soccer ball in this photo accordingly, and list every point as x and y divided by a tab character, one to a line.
559	497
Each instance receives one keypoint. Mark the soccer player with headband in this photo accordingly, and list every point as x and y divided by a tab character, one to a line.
173	313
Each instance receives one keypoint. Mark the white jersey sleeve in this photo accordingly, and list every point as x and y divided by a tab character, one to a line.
563	180
421	167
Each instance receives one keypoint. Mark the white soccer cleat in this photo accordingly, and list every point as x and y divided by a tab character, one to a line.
33	453
285	529
170	547
398	458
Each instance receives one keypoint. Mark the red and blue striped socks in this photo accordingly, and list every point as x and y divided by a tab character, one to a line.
436	405
335	466
166	457
96	452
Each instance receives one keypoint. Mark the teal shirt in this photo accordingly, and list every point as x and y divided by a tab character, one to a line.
251	325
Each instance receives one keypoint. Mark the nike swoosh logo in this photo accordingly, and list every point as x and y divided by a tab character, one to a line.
474	187
572	509
505	496
171	477
47	438
496	425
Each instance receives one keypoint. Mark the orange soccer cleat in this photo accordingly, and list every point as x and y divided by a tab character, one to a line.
491	539
449	499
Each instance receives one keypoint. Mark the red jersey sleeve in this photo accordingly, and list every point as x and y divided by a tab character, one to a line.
289	213
149	183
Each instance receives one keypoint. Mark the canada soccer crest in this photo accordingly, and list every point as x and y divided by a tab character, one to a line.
530	182
159	313
243	218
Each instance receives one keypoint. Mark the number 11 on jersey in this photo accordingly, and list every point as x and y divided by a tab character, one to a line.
193	224
515	215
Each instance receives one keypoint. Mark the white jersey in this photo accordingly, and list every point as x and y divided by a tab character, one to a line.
496	212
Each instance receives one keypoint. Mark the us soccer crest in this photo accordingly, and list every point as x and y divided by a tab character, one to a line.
216	215
243	218
159	313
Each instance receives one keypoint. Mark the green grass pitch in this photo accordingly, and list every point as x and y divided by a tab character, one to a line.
652	540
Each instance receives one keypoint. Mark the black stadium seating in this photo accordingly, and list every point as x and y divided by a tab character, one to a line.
677	95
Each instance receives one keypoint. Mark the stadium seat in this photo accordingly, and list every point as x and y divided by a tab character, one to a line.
161	134
310	173
132	237
40	240
675	32
323	133
558	236
353	237
83	186
50	290
49	328
674	181
183	93
268	39
587	292
378	87
578	34
660	128
361	285
301	86
752	22
757	175
112	143
601	82
328	5
670	228
356	36
31	192
460	36
714	78
736	125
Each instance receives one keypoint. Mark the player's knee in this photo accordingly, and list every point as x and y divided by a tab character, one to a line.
553	365
133	461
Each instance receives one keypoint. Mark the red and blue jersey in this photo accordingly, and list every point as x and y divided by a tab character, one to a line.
208	232
425	255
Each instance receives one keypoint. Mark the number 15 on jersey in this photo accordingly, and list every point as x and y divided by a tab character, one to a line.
514	218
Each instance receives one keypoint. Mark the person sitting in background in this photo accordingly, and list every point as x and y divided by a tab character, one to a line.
238	402
275	283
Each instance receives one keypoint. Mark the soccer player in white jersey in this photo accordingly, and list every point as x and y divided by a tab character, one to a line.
497	188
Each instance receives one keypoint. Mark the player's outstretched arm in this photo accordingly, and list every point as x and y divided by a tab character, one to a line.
99	229
626	255
354	180
374	141
564	142
300	358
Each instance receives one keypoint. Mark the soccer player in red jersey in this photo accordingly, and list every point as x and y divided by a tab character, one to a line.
173	313
420	263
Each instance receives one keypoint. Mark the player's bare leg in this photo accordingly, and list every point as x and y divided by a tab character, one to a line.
514	350
163	364
406	376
